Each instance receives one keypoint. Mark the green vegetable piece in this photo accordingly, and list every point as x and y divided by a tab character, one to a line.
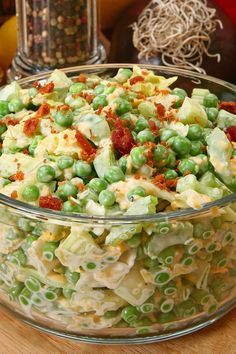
77	87
210	100
30	193
15	105
34	144
107	198
143	205
167	133
97	185
130	314
99	101
71	207
64	118
147	109
48	250
140	191
15	290
188	166
194	132
192	112
114	174
226	119
4	110
145	135
122	106
67	190
99	89
197	148
170	174
123	75
72	277
212	113
83	169
46	174
181	145
141	124
65	162
138	156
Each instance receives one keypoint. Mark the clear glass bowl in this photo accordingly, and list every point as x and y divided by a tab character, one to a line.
188	294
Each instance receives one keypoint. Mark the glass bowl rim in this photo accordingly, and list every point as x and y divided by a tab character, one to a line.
83	218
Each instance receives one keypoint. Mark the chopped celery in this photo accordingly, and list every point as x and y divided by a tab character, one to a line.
191	112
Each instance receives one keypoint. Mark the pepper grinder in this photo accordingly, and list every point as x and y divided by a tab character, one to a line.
55	34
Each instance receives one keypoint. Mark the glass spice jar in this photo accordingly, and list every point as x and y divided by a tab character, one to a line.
55	34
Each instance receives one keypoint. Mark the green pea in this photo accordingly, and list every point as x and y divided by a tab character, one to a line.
67	190
107	198
141	124
71	207
210	100
138	156
178	91
194	132
147	109
110	314
167	133
206	132
122	106
72	277
171	159
123	75
82	169
64	118
34	144
123	163
212	113
77	87
3	128
130	314
99	89
188	166
181	145
15	105
161	155
114	174
46	174
65	162
4	109
196	148
99	101
109	90
181	94
140	191
145	135
170	174
97	185
30	193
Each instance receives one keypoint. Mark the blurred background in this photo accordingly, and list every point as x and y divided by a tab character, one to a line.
116	35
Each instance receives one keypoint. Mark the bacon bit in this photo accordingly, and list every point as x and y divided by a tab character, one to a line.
122	138
63	107
88	150
137	175
47	88
136	79
229	106
11	121
81	78
153	127
164	92
30	126
187	173
14	195
161	182
171	183
141	96
99	110
18	176
43	110
65	136
171	117
50	202
160	110
81	187
37	85
25	151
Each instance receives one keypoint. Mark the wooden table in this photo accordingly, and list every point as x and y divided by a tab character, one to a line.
17	338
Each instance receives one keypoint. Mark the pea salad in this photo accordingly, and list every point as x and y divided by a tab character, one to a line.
128	145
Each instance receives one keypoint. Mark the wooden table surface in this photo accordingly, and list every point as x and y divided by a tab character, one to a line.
17	338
